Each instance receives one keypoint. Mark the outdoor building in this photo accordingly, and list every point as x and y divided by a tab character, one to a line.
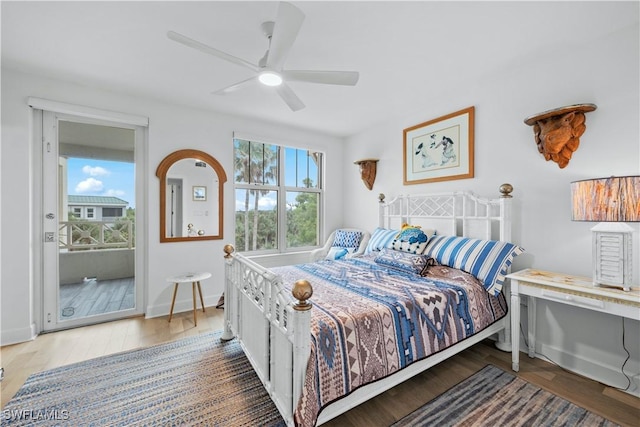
97	208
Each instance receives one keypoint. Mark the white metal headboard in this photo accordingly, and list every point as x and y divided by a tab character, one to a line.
452	214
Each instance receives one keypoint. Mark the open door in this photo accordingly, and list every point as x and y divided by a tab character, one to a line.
90	222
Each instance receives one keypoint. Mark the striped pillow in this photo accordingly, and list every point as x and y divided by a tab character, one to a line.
380	238
488	260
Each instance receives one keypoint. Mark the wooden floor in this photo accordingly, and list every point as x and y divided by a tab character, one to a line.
91	297
60	348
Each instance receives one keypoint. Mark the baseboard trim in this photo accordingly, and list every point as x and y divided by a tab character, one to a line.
593	369
15	336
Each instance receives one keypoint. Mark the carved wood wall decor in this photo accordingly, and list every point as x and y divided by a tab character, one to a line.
368	169
557	132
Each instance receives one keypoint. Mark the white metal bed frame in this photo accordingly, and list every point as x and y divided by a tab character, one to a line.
274	329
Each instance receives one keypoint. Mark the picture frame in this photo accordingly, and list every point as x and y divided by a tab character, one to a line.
199	193
440	149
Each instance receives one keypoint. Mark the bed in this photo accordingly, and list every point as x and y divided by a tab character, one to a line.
326	336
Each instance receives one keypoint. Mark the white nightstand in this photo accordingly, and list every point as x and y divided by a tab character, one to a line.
194	279
576	291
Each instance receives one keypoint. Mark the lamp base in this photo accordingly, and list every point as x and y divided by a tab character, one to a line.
612	255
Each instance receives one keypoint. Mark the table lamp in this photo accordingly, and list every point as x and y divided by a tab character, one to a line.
611	202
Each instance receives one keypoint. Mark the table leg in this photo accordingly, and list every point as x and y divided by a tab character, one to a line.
173	301
201	299
193	291
531	319
515	326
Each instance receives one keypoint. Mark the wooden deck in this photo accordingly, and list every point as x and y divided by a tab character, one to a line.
92	297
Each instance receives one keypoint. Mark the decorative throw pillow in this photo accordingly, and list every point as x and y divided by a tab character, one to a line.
336	252
412	239
380	238
488	260
347	239
404	261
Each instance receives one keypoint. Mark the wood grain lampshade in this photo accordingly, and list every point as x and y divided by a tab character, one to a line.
611	202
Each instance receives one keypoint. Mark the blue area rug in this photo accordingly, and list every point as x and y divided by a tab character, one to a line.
198	380
493	397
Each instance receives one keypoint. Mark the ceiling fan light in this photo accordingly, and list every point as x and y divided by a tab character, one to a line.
270	78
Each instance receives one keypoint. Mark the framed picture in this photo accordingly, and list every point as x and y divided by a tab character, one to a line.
199	193
440	149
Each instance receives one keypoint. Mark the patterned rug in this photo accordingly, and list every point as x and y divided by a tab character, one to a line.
199	380
493	397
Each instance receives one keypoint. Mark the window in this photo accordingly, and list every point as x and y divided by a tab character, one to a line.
278	197
77	212
90	213
111	212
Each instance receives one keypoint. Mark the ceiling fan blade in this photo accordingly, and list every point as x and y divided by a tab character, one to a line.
347	78
233	87
287	94
288	23
210	50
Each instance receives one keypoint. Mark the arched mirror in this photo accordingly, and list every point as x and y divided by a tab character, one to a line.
191	195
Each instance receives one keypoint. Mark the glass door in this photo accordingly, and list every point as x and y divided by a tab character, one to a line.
89	201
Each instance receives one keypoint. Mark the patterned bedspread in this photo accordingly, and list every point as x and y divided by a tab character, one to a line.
368	322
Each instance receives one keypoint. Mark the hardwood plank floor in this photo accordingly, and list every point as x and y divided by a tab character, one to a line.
60	348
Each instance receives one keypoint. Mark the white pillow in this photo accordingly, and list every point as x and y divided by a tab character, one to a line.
336	252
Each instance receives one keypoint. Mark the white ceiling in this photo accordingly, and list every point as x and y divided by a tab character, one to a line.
409	54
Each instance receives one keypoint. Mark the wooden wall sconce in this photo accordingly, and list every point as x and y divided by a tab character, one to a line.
557	132
368	169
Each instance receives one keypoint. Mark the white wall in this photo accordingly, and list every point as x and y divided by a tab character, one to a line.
171	128
604	72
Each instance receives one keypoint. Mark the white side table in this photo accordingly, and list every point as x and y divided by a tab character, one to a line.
576	291
195	279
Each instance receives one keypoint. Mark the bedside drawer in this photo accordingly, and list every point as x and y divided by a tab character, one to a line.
602	304
575	300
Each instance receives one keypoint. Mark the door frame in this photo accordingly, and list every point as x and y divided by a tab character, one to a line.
174	205
81	114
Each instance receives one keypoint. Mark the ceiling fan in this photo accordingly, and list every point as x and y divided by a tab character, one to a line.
269	71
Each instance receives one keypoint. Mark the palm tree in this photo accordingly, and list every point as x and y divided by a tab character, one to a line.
242	168
255	163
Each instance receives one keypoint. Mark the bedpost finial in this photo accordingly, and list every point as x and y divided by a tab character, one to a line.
381	197
505	190
302	291
228	250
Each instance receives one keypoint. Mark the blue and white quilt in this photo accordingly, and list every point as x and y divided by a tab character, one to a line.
369	321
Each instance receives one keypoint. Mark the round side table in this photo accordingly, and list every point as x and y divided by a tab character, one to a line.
195	279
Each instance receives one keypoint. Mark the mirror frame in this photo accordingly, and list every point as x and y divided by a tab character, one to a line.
161	172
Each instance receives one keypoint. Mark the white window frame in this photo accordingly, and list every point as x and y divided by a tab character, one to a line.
282	191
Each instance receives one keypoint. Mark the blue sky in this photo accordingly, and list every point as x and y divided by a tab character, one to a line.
91	177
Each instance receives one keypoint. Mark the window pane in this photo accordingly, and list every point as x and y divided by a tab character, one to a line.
255	162
241	160
290	167
112	212
256	220
302	219
301	168
314	177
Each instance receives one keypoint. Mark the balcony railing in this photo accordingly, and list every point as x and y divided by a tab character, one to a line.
83	235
